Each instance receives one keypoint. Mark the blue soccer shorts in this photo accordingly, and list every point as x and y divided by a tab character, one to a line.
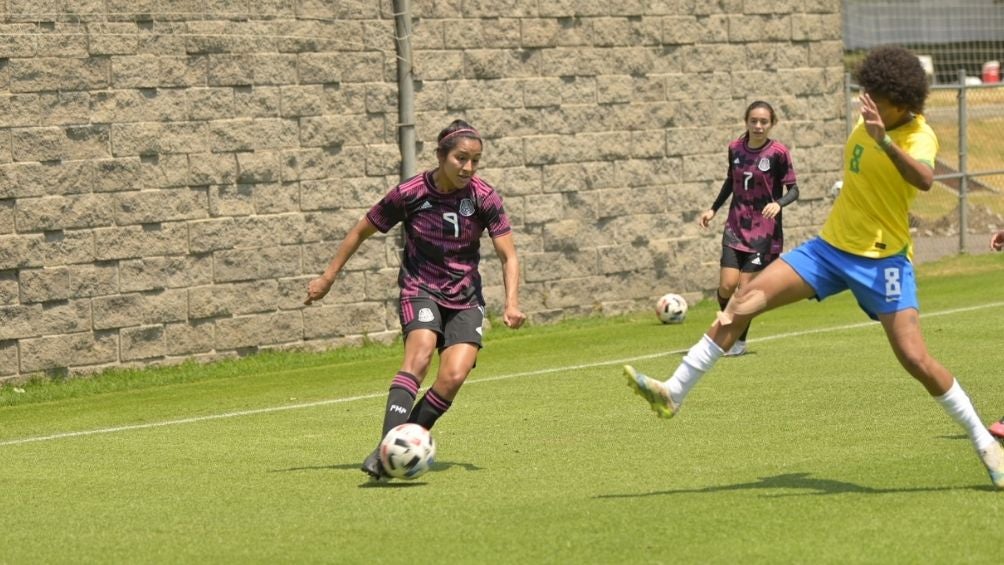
881	286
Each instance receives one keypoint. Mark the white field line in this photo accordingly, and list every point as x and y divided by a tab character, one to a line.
302	405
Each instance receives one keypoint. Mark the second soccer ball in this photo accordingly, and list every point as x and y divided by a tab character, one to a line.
407	451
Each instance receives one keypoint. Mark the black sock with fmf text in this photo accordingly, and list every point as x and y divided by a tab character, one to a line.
400	398
429	409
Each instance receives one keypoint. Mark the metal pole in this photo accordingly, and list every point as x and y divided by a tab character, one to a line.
848	104
405	88
963	164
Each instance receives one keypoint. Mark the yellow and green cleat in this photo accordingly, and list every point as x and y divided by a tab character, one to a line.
653	391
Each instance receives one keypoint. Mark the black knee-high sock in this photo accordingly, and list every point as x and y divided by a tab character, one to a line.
400	398
722	302
429	409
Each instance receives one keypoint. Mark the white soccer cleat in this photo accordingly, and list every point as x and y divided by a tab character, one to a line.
993	460
653	391
736	350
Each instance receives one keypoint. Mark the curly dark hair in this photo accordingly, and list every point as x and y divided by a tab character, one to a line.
895	74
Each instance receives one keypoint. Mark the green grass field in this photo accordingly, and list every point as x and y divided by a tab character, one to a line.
814	448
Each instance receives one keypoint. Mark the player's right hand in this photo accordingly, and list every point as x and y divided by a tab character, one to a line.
705	218
316	290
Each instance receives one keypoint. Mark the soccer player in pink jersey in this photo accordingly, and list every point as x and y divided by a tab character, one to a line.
760	169
865	247
443	213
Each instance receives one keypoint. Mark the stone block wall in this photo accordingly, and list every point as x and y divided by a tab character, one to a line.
172	173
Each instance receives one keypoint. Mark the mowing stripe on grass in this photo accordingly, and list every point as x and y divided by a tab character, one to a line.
302	405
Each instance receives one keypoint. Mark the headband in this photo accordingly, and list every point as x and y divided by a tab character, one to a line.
471	131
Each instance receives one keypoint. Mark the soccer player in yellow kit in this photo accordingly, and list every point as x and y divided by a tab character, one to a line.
864	246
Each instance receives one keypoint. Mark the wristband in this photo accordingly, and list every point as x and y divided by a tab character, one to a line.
886	142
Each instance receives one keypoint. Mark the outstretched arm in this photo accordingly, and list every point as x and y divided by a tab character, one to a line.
512	316
319	287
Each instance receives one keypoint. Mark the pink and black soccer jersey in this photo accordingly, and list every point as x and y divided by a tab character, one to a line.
757	177
442	237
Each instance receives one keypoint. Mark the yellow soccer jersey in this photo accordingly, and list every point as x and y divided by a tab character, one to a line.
870	217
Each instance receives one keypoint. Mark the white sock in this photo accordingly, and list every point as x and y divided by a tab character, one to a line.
957	404
696	362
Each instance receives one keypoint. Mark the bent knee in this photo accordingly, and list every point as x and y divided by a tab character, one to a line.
450	381
418	364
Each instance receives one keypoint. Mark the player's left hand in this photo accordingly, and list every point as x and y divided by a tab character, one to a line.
771	210
513	317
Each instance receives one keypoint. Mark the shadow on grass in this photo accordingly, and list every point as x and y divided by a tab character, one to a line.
437	466
370	483
797	481
392	484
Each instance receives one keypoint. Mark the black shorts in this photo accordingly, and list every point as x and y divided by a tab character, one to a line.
746	262
451	325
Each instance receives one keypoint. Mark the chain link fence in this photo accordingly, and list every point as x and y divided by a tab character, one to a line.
948	35
961	45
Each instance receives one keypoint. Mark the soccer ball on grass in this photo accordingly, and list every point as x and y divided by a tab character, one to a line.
407	451
671	308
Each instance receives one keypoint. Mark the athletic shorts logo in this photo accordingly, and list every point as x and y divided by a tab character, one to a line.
764	164
425	315
466	207
756	260
893	284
